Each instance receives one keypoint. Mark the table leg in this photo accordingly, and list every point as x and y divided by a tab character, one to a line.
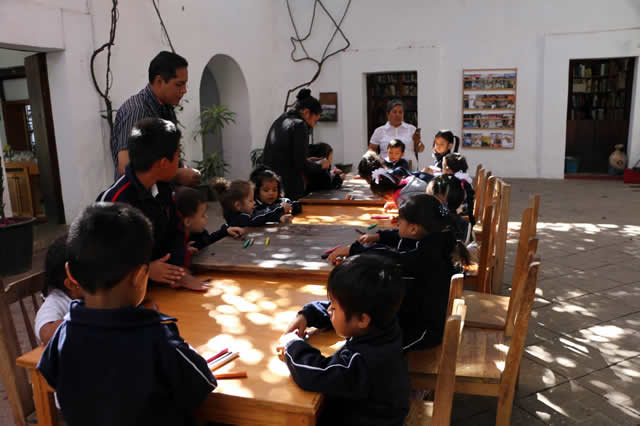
43	399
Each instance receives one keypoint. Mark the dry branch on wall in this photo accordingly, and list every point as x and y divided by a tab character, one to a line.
104	94
325	54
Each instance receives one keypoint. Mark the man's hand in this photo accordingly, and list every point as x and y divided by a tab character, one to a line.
336	256
417	141
189	177
163	272
235	232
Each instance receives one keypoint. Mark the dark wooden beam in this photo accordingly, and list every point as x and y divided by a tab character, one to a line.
12	73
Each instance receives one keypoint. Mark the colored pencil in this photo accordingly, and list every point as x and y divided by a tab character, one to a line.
234	375
379	216
218	355
360	231
224	361
266	242
246	243
331	250
373	225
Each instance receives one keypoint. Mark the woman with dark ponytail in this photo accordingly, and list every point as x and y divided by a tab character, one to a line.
444	142
285	150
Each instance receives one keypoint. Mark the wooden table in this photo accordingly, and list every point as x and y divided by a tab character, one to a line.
245	314
293	250
354	187
318	214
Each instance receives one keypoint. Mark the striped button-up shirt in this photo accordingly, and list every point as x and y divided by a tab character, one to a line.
144	104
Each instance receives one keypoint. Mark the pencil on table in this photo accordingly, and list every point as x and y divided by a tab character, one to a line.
218	355
360	231
224	360
266	242
233	375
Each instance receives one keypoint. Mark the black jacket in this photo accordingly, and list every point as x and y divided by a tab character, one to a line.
400	163
285	152
319	180
258	218
366	382
125	366
180	254
429	268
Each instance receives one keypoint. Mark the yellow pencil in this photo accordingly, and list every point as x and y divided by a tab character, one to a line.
266	242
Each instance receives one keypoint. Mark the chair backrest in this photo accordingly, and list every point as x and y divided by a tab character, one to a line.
474	183
518	286
15	380
516	348
487	249
446	381
500	242
479	182
455	291
534	203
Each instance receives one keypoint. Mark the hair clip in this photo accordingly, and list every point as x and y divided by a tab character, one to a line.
375	175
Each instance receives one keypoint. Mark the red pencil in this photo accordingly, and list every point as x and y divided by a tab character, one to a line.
235	375
218	355
330	250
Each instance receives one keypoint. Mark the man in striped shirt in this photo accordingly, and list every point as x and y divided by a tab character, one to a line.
168	78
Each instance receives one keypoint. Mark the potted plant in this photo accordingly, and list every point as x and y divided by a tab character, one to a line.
16	239
212	120
257	157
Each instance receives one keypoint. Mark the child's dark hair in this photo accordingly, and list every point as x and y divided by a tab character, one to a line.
152	139
394	103
426	211
451	188
370	161
262	174
188	200
449	137
165	65
368	284
106	242
306	101
54	271
456	162
320	150
383	182
230	192
395	143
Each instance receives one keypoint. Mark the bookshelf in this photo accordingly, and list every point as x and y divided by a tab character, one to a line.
598	109
383	87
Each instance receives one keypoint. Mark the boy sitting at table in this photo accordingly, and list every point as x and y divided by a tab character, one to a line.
113	362
366	381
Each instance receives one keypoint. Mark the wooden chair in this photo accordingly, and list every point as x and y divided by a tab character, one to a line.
500	242
438	412
491	311
488	361
474	183
480	278
15	380
481	190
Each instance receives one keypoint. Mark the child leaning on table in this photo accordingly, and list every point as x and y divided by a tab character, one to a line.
58	291
113	362
366	381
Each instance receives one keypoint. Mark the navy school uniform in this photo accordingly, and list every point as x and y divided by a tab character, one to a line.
125	366
404	172
180	254
262	214
400	163
428	267
156	204
366	382
318	180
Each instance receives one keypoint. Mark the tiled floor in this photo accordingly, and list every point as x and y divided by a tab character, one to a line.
582	359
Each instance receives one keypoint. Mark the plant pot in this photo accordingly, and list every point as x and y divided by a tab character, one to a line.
16	245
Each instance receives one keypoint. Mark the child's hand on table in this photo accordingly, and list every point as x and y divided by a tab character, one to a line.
192	283
369	239
284	339
163	272
337	254
287	208
235	232
286	218
191	249
389	205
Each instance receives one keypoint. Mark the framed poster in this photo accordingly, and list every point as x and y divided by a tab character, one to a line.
489	108
329	105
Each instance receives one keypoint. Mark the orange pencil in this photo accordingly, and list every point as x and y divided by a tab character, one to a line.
224	361
234	375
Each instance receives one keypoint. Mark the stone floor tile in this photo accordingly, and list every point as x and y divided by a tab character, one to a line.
568	356
615	339
551	270
628	294
535	378
629	321
604	308
488	418
591	280
622	274
536	334
558	289
583	261
565	317
618	383
571	404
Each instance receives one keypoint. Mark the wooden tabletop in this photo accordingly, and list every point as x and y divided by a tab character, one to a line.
354	192
248	315
316	214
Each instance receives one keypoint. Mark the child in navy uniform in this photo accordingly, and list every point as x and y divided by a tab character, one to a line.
365	382
450	191
395	152
444	142
424	246
455	164
113	362
268	195
238	205
395	190
330	178
192	209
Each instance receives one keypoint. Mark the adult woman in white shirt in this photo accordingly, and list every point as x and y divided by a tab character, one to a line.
396	128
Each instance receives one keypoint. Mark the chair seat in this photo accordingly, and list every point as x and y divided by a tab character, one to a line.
420	413
481	358
485	310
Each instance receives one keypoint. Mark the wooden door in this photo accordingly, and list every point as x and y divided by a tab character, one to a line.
40	99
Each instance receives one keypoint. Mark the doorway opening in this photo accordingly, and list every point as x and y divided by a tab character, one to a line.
598	114
383	87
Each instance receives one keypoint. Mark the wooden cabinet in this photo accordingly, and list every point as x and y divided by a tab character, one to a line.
23	182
